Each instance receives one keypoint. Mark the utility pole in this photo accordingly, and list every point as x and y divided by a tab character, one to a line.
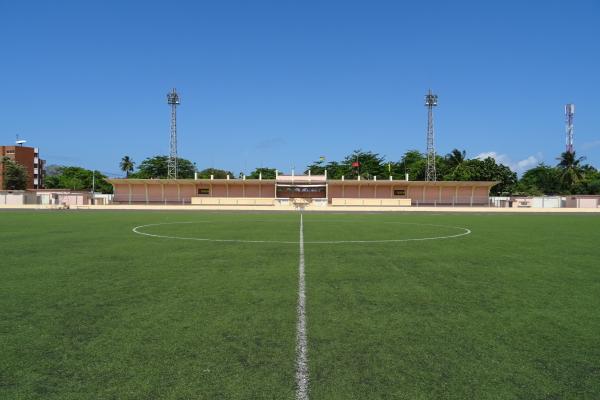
93	187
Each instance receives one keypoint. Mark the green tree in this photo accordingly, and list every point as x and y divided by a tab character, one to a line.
52	170
14	175
77	178
442	167
488	170
593	183
542	179
335	170
452	165
369	164
571	170
267	173
590	184
157	168
413	162
316	168
127	165
217	173
484	170
456	158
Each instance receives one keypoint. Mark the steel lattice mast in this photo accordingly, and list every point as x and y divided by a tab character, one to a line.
173	100
430	102
569	114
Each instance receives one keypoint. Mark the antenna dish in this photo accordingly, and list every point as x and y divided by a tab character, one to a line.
20	142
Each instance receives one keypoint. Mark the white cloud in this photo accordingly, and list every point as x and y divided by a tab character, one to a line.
501	158
517	166
527	163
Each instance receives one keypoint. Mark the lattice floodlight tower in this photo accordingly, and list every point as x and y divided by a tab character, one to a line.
430	102
173	100
569	114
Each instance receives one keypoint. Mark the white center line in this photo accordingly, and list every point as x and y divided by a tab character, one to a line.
301	342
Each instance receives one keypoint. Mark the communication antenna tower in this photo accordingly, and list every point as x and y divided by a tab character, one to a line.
569	114
430	102
173	100
20	141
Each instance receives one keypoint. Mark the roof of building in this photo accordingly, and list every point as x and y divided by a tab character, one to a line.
59	191
303	180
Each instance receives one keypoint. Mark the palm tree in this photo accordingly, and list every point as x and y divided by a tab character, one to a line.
455	158
127	165
571	170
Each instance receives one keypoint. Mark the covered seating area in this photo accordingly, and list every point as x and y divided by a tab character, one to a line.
287	190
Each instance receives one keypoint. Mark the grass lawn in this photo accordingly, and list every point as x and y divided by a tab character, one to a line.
89	309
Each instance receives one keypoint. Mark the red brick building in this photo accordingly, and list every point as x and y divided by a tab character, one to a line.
29	158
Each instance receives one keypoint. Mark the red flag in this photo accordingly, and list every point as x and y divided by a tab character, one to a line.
355	164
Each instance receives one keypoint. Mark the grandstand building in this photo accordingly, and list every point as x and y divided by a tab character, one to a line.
304	189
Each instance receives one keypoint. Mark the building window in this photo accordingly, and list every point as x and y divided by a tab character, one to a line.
203	191
399	192
10	152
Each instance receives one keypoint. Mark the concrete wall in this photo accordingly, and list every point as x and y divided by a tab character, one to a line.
582	201
370	202
13	199
547	202
155	192
44	198
166	192
419	194
74	199
120	192
367	192
448	195
182	193
251	201
18	198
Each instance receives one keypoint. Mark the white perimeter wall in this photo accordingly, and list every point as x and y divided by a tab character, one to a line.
547	202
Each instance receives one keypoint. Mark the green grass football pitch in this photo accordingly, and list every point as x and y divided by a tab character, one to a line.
91	310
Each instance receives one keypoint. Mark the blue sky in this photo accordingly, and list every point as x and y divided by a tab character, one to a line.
280	83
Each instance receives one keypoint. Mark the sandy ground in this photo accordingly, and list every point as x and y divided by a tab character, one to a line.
308	209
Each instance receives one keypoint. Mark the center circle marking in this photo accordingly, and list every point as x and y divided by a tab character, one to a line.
463	232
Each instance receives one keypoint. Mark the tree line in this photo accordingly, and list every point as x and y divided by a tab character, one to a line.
15	177
569	176
452	167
